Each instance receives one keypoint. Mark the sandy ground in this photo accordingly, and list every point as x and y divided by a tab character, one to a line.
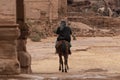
90	56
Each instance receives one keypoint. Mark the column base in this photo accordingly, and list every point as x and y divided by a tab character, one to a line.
9	64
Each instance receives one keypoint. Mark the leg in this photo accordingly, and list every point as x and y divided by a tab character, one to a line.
66	63
70	51
56	52
60	63
69	46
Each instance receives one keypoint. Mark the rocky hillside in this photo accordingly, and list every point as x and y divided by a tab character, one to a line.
101	26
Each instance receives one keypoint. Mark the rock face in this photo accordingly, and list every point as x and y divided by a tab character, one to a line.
8	53
41	9
62	9
7	9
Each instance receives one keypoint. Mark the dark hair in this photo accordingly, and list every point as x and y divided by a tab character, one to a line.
63	22
62	25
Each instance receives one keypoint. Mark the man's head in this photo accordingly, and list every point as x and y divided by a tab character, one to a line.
62	25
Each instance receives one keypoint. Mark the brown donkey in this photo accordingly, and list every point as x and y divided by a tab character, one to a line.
63	50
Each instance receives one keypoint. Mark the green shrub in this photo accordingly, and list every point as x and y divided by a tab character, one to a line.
35	37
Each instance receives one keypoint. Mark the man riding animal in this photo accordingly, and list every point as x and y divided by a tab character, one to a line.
64	32
63	45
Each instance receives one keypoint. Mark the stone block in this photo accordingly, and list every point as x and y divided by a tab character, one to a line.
9	66
8	52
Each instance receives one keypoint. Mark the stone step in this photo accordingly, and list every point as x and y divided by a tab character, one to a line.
64	77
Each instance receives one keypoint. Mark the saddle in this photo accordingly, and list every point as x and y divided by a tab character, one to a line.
59	43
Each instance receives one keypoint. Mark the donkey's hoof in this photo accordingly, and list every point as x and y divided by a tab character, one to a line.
62	70
66	71
59	69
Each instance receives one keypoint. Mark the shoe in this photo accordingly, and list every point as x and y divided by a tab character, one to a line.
70	52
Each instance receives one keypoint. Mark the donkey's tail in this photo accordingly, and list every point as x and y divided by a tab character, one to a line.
64	47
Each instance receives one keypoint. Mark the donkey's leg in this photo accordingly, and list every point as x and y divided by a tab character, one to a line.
60	63
67	65
66	62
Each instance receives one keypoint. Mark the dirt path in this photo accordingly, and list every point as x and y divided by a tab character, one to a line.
91	57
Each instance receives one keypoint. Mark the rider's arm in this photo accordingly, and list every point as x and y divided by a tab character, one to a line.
58	30
70	31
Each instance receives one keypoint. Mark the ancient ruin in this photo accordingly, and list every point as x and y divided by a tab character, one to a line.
45	9
8	53
97	38
23	56
14	56
9	33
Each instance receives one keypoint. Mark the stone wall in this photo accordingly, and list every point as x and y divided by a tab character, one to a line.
62	8
35	8
7	10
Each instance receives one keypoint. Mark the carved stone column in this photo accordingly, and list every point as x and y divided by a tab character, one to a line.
8	53
23	56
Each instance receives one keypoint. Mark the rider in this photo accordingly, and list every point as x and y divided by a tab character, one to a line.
64	33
